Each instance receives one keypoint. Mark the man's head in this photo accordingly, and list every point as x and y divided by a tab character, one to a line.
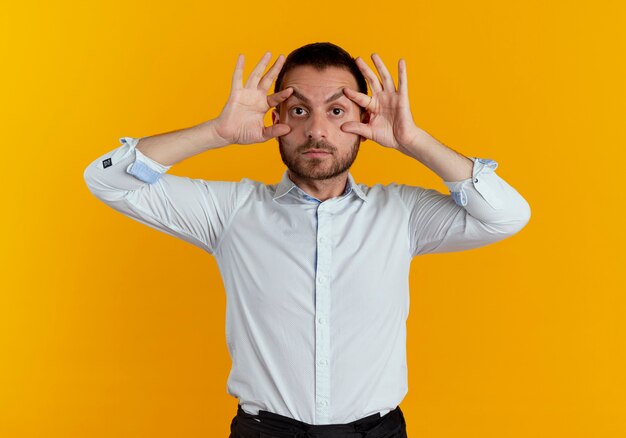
316	110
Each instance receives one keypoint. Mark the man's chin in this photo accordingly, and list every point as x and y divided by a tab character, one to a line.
317	169
315	176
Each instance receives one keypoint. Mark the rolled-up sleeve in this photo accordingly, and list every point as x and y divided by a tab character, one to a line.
194	210
479	210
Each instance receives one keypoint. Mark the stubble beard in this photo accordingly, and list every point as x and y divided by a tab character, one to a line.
310	168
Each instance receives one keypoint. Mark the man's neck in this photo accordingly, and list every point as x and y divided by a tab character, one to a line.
322	189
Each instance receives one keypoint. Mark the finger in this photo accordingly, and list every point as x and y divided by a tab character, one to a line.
269	77
384	73
238	74
403	87
253	79
403	84
371	77
359	98
361	129
281	96
276	130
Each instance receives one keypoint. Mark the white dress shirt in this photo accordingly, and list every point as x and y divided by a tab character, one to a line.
317	292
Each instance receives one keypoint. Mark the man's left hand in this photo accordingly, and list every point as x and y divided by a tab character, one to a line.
389	119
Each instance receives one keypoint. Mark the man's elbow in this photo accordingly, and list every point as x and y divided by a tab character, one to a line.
516	221
94	184
90	179
99	187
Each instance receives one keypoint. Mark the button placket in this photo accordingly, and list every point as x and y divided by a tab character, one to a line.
322	315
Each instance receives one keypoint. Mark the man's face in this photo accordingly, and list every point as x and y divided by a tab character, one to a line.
315	112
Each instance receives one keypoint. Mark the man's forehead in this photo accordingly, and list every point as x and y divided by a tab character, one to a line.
326	80
297	94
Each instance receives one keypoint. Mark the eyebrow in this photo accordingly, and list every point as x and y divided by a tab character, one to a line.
306	100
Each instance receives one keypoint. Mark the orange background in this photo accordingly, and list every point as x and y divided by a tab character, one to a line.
109	328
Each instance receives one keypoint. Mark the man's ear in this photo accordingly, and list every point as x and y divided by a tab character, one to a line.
275	116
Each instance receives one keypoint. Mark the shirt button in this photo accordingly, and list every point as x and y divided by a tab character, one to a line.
476	180
321	320
322	239
321	280
323	403
323	362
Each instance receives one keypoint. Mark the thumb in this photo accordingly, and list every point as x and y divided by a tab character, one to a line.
276	130
357	128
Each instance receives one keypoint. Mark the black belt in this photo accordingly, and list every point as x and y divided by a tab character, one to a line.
270	425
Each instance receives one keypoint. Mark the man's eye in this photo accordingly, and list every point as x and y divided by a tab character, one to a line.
296	108
298	111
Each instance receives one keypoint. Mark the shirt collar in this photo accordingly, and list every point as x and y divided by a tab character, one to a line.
286	185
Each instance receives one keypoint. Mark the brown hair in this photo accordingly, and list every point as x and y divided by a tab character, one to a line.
321	56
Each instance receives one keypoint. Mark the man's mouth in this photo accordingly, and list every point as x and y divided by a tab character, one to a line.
316	152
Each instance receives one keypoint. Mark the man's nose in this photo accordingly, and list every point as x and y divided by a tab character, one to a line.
317	127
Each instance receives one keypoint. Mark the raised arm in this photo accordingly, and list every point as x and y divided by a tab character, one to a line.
132	178
482	207
240	122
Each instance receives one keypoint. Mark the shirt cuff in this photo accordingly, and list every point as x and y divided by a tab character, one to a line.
482	174
143	167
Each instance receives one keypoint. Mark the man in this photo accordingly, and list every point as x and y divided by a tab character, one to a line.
315	267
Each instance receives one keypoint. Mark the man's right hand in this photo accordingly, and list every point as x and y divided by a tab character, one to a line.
242	118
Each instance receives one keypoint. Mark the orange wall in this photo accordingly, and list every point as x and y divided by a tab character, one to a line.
109	328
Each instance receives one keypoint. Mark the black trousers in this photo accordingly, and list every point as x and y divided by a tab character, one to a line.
270	425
